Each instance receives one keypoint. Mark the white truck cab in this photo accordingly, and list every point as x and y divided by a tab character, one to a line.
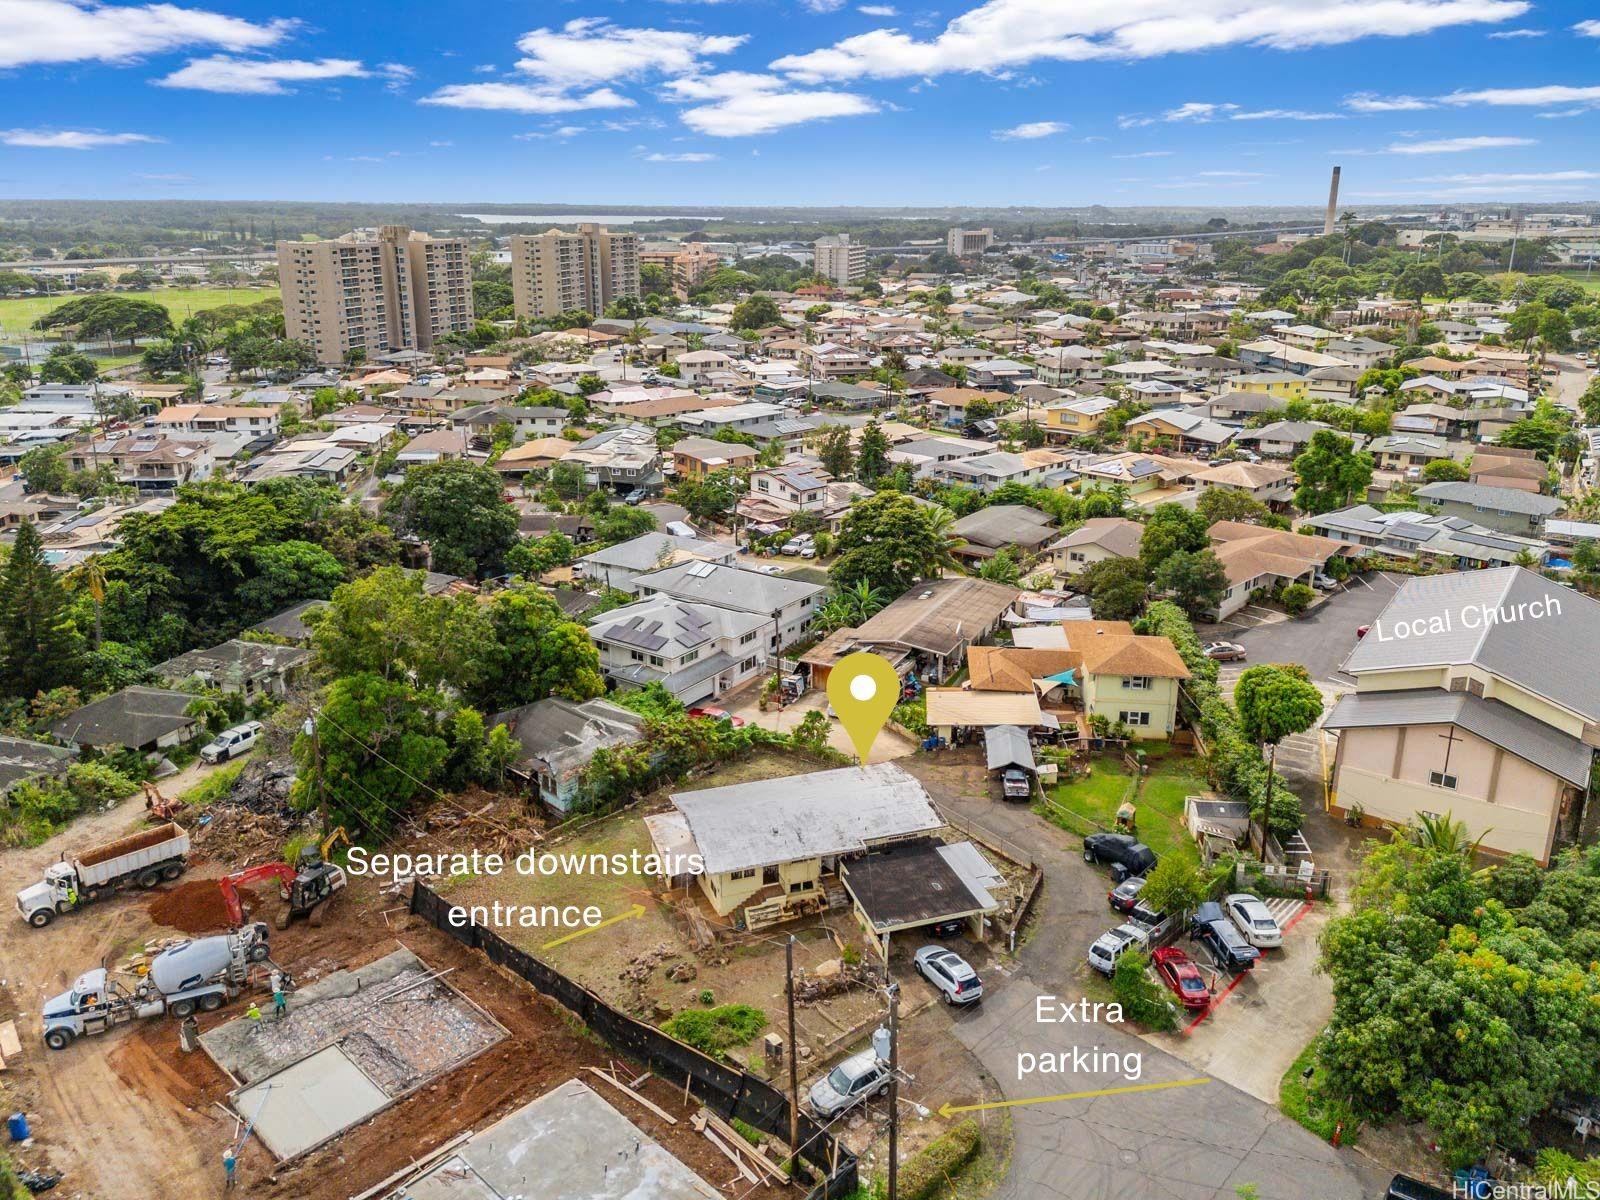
56	892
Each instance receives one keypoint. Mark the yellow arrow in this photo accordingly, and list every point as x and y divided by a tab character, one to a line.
948	1109
636	911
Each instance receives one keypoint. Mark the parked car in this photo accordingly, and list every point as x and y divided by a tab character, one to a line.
1015	784
1325	581
1125	895
717	714
1127	855
847	1085
1216	933
230	743
1403	1187
1259	926
1224	651
1183	979
949	972
634	497
1362	631
1113	944
948	929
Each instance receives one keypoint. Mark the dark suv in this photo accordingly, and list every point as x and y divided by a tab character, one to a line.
1212	929
1126	855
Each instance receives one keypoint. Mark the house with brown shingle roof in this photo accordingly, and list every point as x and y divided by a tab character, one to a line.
1260	481
1257	557
1128	678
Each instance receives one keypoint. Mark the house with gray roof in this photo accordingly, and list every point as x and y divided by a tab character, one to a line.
558	738
1427	537
1508	509
252	669
788	606
136	718
696	651
22	761
620	566
1474	698
989	530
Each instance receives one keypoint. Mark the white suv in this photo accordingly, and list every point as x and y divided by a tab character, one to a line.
231	743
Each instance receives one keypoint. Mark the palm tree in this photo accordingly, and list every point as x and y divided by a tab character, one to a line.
940	519
864	599
1442	833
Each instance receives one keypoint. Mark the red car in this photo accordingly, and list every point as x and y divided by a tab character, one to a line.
717	714
1361	631
1183	979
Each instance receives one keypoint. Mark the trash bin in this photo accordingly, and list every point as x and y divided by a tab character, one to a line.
17	1127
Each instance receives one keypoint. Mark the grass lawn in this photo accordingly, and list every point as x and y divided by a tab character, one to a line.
1091	802
1301	1101
18	313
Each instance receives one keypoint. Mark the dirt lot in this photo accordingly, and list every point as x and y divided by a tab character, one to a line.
130	1105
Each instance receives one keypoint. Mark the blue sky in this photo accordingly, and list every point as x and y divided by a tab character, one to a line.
1026	102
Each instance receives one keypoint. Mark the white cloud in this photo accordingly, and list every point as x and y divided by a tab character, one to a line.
1010	33
1518	33
1510	177
1232	174
70	139
1370	102
1458	145
742	103
261	77
593	50
563	133
1587	29
690	157
1029	130
1562	114
1200	112
878	10
822	6
1146	154
523	98
62	31
1536	97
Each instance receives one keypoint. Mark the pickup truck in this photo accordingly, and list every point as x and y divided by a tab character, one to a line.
231	743
1015	784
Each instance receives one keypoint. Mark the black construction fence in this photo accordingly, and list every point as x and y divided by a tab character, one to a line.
728	1092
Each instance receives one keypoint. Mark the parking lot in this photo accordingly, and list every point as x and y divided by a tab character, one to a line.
1321	639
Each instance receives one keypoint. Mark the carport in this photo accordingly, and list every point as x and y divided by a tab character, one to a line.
913	885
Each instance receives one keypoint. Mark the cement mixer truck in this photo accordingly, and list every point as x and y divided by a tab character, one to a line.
203	973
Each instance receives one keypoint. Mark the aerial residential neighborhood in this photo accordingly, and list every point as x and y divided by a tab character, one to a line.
906	606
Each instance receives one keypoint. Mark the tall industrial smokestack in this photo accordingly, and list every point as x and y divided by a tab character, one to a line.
1333	205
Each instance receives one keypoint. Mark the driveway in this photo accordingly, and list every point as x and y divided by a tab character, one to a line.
1193	1143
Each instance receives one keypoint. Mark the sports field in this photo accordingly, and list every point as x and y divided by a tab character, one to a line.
18	313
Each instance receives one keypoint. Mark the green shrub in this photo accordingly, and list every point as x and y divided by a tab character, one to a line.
707	997
1143	1000
715	1031
940	1161
96	783
1297	597
213	787
747	1131
912	715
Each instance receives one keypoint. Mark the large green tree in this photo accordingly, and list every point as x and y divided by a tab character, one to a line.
1274	701
40	648
891	542
537	652
459	509
1116	588
1333	474
1171	529
109	318
1195	579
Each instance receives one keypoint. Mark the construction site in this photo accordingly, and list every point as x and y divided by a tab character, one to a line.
400	1054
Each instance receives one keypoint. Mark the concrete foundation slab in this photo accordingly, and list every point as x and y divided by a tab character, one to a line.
569	1144
309	1102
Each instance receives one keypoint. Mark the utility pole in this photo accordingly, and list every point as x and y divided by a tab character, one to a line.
794	1057
311	731
894	1090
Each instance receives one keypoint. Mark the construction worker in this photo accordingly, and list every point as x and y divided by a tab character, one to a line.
230	1164
253	1012
280	1002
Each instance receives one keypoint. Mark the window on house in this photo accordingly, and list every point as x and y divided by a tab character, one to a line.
769	875
1134	718
747	873
1440	779
1136	683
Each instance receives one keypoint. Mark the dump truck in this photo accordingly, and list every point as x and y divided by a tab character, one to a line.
202	973
144	858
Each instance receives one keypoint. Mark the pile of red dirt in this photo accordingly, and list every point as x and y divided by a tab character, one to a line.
196	906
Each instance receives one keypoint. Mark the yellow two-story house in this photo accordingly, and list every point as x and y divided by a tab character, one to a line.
1128	678
1071	419
1273	383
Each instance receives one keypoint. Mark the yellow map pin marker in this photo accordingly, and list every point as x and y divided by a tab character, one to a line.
863	689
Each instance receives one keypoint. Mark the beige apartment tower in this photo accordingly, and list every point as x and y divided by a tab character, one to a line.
840	260
968	243
586	271
375	291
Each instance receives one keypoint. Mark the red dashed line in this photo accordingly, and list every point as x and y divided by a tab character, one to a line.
1237	979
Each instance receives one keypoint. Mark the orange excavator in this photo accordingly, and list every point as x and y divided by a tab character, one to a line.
305	889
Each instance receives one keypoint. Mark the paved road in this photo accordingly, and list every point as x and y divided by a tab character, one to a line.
1191	1143
1322	639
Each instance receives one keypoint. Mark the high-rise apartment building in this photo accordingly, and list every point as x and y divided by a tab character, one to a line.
557	272
840	259
968	243
375	291
686	263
